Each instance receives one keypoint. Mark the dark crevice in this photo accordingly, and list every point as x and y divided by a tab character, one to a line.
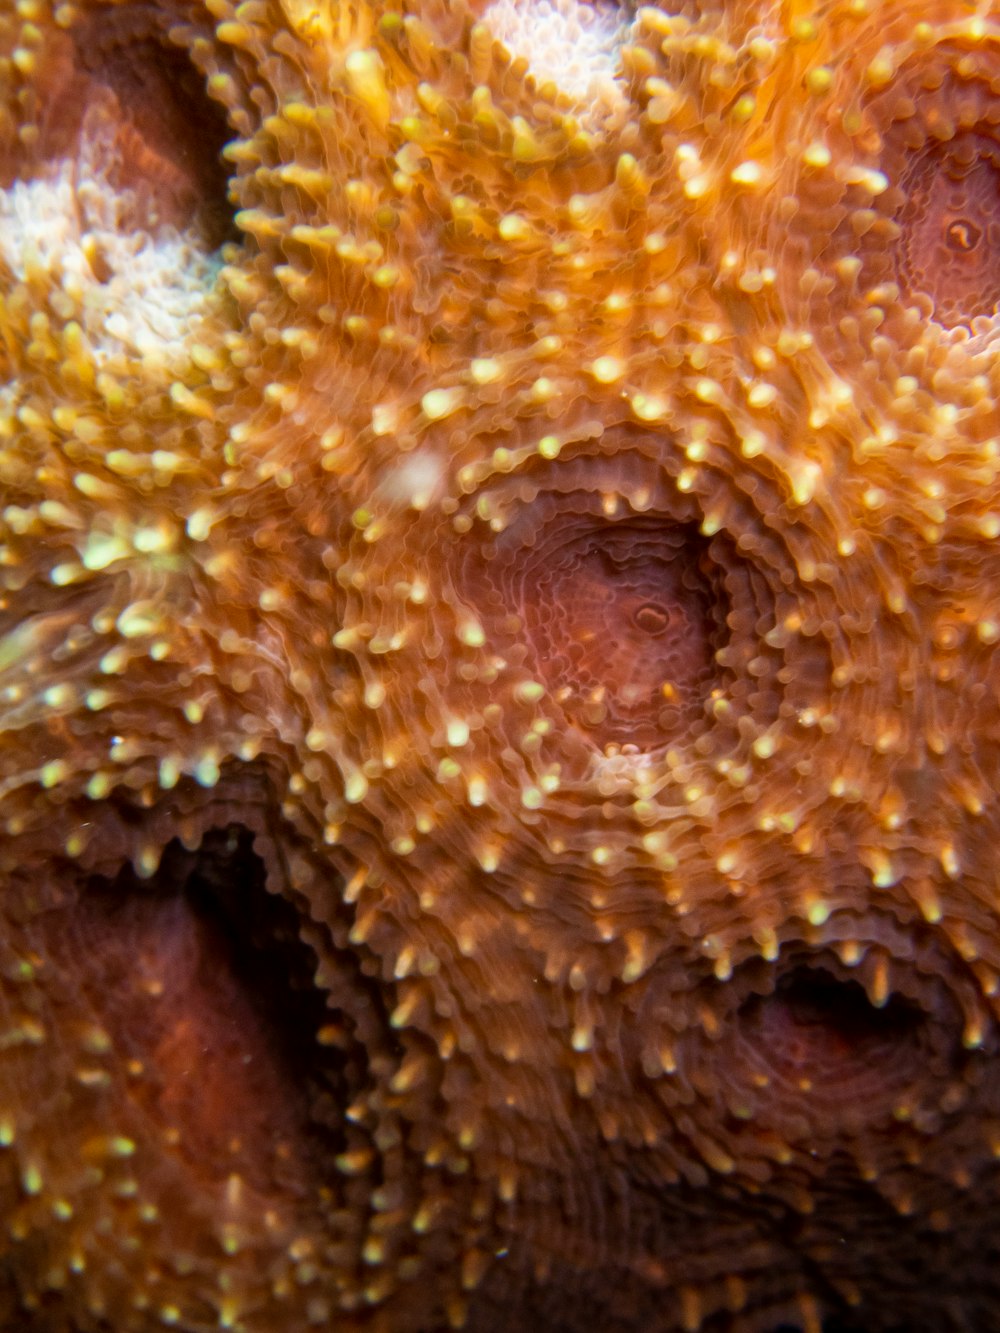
252	939
167	140
815	997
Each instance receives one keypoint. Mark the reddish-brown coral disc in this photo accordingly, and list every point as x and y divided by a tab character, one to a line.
949	247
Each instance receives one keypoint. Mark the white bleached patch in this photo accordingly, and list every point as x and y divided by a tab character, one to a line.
136	292
417	481
566	42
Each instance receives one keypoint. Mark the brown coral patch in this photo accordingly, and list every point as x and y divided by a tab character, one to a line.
221	1063
941	153
123	103
202	981
905	207
623	617
949	244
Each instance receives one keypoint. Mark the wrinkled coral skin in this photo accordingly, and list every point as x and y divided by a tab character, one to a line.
355	974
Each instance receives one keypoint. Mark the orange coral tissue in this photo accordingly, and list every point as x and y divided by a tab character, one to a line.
499	575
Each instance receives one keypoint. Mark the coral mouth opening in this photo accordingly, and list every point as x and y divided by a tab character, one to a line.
948	240
156	135
128	114
202	980
624	620
816	1019
848	1047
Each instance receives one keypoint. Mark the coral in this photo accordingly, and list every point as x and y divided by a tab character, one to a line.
499	696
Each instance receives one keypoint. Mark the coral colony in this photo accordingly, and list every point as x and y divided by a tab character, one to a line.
499	605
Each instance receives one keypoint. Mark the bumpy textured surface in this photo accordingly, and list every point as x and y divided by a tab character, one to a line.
498	679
